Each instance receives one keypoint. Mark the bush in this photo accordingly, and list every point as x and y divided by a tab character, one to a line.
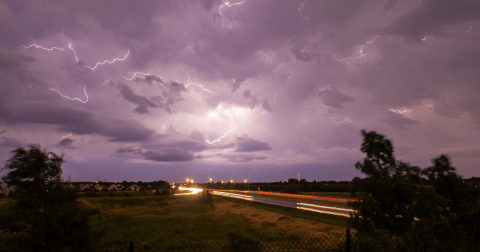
206	197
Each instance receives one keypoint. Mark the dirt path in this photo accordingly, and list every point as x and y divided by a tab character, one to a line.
284	224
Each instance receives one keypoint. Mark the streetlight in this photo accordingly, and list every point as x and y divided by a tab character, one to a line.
231	181
248	185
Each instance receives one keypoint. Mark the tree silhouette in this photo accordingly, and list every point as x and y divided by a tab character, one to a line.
44	209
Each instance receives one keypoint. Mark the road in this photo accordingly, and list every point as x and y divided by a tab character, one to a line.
298	205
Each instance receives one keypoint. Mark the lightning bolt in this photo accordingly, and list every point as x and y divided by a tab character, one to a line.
75	54
218	140
345	120
301	8
362	52
196	84
64	96
228	5
41	47
401	111
98	63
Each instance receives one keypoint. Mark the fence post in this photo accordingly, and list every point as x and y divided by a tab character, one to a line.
131	247
348	240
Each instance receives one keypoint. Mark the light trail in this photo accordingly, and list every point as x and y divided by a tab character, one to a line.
345	212
218	140
78	99
193	190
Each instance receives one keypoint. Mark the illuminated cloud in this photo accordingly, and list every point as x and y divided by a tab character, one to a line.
245	144
189	81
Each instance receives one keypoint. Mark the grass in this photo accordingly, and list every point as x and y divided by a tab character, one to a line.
157	220
153	221
317	217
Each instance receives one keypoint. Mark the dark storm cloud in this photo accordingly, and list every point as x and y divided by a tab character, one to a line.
143	102
11	60
389	5
170	94
334	98
12	142
65	142
431	16
80	122
150	79
245	144
339	11
397	121
254	101
130	149
444	109
170	155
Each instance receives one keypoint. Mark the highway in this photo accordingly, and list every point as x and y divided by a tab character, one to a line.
345	212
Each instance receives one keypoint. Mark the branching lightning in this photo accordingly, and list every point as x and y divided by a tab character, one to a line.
398	111
41	47
75	54
362	52
301	8
228	5
64	96
218	140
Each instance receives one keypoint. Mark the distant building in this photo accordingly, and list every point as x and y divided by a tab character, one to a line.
5	189
133	188
84	187
115	187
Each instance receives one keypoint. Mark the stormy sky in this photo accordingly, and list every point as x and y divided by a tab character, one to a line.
258	90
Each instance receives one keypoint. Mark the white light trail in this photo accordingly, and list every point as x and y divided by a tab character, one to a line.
218	140
192	190
64	96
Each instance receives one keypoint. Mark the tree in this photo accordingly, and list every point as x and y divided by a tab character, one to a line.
387	195
393	195
45	209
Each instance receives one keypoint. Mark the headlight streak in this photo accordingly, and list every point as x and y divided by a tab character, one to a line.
193	190
345	212
218	140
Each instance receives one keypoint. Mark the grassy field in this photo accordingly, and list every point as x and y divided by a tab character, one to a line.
179	219
156	220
